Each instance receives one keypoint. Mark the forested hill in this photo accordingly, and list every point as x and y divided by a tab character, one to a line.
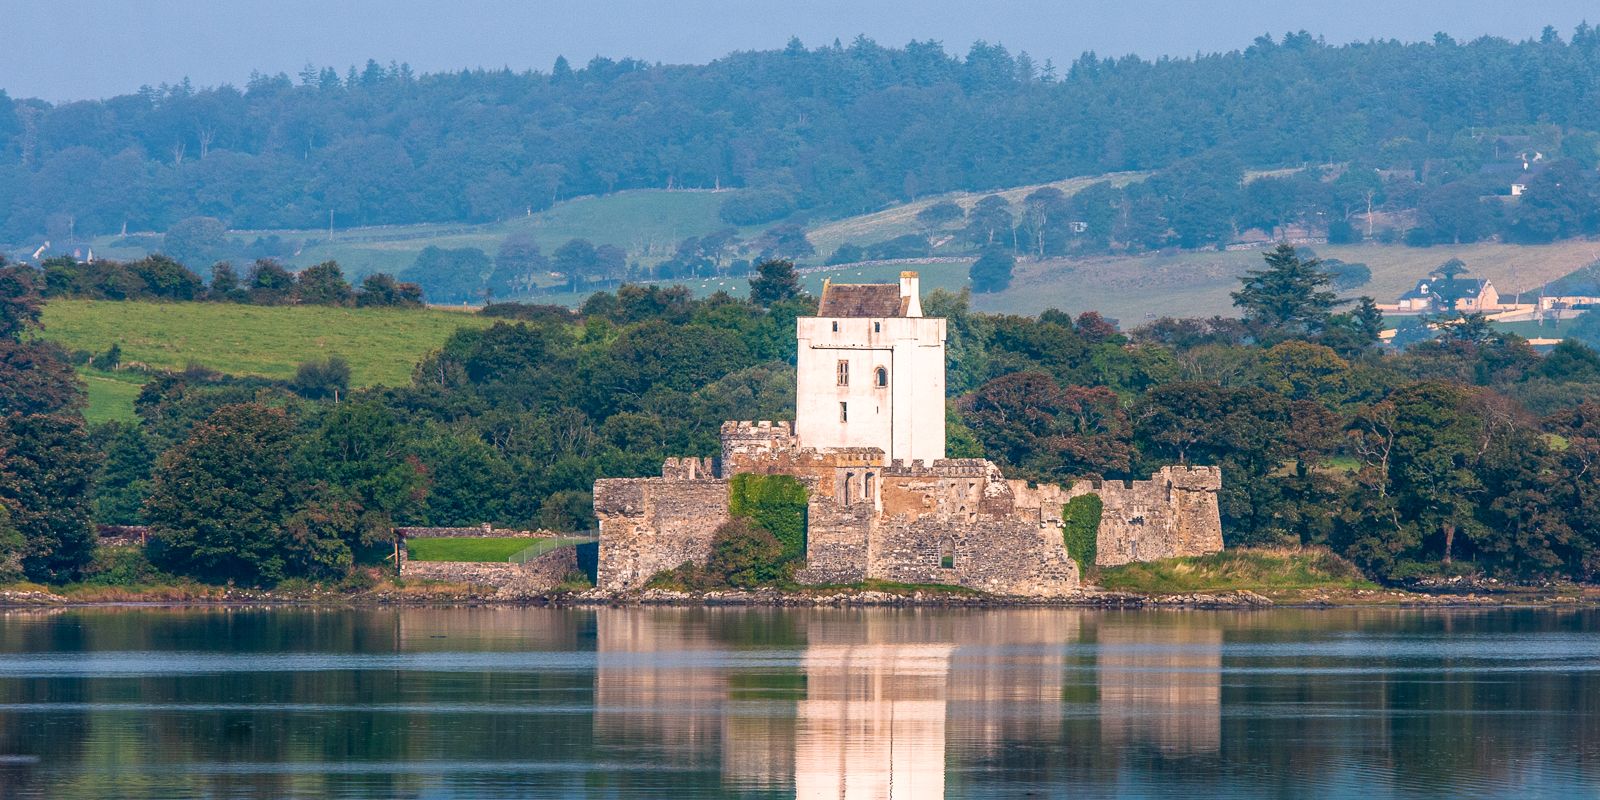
835	129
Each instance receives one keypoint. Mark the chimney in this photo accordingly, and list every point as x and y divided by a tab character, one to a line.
910	294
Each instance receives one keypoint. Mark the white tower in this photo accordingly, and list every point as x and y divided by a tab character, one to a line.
871	371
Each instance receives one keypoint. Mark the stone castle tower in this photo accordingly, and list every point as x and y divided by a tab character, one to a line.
870	372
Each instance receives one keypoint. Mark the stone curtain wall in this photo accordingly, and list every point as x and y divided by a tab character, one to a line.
652	524
900	521
1175	513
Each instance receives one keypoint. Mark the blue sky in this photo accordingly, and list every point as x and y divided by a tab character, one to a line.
73	49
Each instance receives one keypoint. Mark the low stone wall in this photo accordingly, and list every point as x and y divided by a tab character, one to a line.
538	575
480	532
122	535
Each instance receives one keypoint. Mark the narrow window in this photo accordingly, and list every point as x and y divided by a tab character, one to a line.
947	556
882	377
836	327
844	373
844	412
844	491
866	487
877	327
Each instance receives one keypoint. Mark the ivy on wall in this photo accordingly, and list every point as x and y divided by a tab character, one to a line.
1080	528
775	503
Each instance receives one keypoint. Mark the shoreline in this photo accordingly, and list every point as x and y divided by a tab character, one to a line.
466	595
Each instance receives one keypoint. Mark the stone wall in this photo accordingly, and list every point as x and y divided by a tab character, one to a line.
537	575
652	524
901	521
480	532
1175	513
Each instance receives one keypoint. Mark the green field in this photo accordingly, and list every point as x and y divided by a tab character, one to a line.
382	345
110	394
472	548
647	223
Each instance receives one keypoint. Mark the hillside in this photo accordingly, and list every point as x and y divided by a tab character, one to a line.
382	345
1197	283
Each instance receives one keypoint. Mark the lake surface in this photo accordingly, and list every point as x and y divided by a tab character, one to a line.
902	703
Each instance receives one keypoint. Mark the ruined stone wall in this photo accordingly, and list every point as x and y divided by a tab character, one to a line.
770	448
950	522
837	538
652	524
537	575
1175	513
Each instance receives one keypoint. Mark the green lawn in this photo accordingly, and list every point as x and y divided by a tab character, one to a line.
382	345
111	394
472	548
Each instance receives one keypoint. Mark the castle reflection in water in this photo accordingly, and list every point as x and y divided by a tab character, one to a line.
882	704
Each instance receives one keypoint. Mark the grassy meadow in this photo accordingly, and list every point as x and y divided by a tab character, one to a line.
382	345
472	548
1267	570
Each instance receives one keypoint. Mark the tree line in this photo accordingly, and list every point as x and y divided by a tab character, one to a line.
811	131
265	283
1469	452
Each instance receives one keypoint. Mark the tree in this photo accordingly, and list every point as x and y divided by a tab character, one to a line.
992	271
989	223
516	265
940	214
784	241
270	283
1286	299
380	289
21	305
224	283
325	379
195	240
1421	444
221	498
323	285
775	281
122	481
1025	420
47	466
744	555
12	548
577	260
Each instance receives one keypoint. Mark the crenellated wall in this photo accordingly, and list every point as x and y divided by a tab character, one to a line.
652	524
949	521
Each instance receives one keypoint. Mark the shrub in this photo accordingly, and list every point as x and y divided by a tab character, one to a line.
745	556
123	566
774	503
1080	528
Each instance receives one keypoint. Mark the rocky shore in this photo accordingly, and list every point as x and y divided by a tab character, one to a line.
464	594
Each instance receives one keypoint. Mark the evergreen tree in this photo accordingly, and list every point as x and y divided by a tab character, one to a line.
775	281
1287	299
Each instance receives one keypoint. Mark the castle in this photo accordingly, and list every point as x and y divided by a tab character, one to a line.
868	443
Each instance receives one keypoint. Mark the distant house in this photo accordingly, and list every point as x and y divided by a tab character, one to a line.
1473	296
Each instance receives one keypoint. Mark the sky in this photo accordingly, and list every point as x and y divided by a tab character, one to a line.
77	49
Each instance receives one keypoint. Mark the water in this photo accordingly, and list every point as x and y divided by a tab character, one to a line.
535	702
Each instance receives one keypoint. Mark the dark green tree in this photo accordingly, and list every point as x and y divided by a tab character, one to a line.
775	281
221	498
1287	299
992	271
46	481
